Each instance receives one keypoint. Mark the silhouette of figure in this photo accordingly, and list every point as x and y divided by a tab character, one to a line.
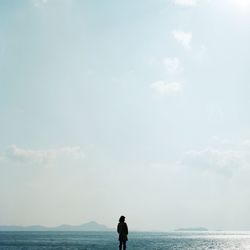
122	230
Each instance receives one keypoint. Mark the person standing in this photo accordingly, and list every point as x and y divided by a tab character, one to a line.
122	230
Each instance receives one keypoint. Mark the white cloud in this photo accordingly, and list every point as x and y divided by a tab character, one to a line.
186	2
184	38
220	161
41	157
171	64
162	87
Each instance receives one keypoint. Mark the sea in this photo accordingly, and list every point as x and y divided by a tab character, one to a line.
137	240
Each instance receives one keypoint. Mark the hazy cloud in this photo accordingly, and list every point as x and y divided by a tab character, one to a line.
246	143
39	3
162	87
41	157
220	161
183	38
186	2
171	64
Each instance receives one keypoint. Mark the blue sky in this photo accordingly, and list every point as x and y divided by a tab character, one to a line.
125	107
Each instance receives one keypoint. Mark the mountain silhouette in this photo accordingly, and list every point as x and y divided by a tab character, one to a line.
90	226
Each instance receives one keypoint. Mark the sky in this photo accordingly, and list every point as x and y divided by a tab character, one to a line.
135	108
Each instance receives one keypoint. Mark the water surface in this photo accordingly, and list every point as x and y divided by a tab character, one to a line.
137	240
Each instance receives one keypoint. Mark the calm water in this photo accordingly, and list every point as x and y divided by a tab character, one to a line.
137	241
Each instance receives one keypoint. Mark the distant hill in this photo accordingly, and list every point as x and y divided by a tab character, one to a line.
192	229
90	226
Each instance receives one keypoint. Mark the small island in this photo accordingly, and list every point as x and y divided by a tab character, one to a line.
198	229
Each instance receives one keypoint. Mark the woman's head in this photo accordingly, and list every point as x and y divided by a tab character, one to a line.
122	219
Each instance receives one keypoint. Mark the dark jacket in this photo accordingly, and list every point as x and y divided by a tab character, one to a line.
122	230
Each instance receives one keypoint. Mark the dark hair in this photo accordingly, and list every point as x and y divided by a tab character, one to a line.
122	219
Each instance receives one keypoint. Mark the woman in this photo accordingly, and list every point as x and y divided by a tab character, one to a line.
122	230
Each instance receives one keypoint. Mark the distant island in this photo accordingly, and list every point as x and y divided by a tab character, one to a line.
90	226
192	229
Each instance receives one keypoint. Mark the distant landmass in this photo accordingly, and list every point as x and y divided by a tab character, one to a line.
90	226
192	229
